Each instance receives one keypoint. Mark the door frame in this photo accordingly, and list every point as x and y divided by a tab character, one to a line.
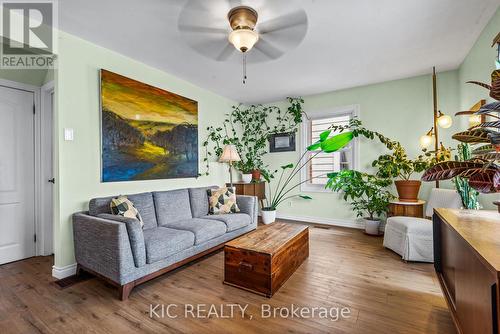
38	228
44	228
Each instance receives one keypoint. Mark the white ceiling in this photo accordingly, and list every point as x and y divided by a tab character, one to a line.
348	42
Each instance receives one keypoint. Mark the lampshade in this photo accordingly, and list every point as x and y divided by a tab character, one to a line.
243	39
229	154
444	121
426	141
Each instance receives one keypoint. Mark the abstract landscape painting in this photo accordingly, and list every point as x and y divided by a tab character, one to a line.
147	132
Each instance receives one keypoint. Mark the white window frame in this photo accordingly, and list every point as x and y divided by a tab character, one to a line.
352	110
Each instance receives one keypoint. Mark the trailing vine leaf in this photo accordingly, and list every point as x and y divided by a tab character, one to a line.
484	149
287	166
472	136
483	181
305	197
449	169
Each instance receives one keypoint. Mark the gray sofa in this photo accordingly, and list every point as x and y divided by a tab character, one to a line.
177	229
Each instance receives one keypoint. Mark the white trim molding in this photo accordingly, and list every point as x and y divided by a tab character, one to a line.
352	223
45	230
63	272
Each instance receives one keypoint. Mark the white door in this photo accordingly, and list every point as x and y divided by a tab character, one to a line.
17	175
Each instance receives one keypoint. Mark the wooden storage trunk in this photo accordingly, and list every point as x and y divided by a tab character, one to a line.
261	261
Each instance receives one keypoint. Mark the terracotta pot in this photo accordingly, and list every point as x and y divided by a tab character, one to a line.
408	190
256	175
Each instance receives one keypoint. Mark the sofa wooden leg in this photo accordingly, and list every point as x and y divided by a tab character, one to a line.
124	290
78	270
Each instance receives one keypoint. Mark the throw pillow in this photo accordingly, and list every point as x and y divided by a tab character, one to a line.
122	206
221	201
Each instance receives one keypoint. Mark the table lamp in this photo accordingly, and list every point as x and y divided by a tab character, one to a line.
230	155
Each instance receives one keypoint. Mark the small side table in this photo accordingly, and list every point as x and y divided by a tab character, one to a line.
407	209
251	189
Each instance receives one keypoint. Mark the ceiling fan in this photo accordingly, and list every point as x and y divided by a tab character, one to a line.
223	29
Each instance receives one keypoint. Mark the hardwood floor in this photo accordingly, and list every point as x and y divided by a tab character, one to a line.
345	269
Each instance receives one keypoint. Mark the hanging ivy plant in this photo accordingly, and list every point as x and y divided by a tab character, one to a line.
248	128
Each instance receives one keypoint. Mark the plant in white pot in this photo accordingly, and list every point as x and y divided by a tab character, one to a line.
367	193
284	187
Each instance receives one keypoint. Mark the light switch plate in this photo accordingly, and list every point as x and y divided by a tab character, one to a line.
68	134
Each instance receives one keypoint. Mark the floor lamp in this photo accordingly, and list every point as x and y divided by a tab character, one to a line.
440	120
230	155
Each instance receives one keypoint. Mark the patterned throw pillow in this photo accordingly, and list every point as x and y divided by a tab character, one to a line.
221	201
122	206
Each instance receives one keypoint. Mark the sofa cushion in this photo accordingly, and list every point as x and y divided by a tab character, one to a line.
222	201
143	203
233	221
162	242
198	198
203	229
122	206
172	205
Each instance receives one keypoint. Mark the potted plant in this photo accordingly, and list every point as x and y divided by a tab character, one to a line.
398	165
284	187
245	167
248	129
367	193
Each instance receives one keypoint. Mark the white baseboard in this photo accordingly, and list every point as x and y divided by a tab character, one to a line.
324	221
63	272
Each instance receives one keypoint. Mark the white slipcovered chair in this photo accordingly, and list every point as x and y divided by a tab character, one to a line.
411	237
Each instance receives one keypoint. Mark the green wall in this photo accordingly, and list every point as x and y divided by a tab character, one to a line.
77	86
400	109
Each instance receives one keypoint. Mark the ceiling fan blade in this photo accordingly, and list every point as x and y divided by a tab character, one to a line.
268	49
296	18
226	52
205	30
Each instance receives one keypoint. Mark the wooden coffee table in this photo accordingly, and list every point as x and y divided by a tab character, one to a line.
262	260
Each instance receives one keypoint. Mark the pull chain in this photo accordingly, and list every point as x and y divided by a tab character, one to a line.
244	68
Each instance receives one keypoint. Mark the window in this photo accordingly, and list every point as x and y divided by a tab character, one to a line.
324	163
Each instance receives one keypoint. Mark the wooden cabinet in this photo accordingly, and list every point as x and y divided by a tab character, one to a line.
467	263
407	209
251	189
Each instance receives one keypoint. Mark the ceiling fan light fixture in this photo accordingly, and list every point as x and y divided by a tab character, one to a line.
243	39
